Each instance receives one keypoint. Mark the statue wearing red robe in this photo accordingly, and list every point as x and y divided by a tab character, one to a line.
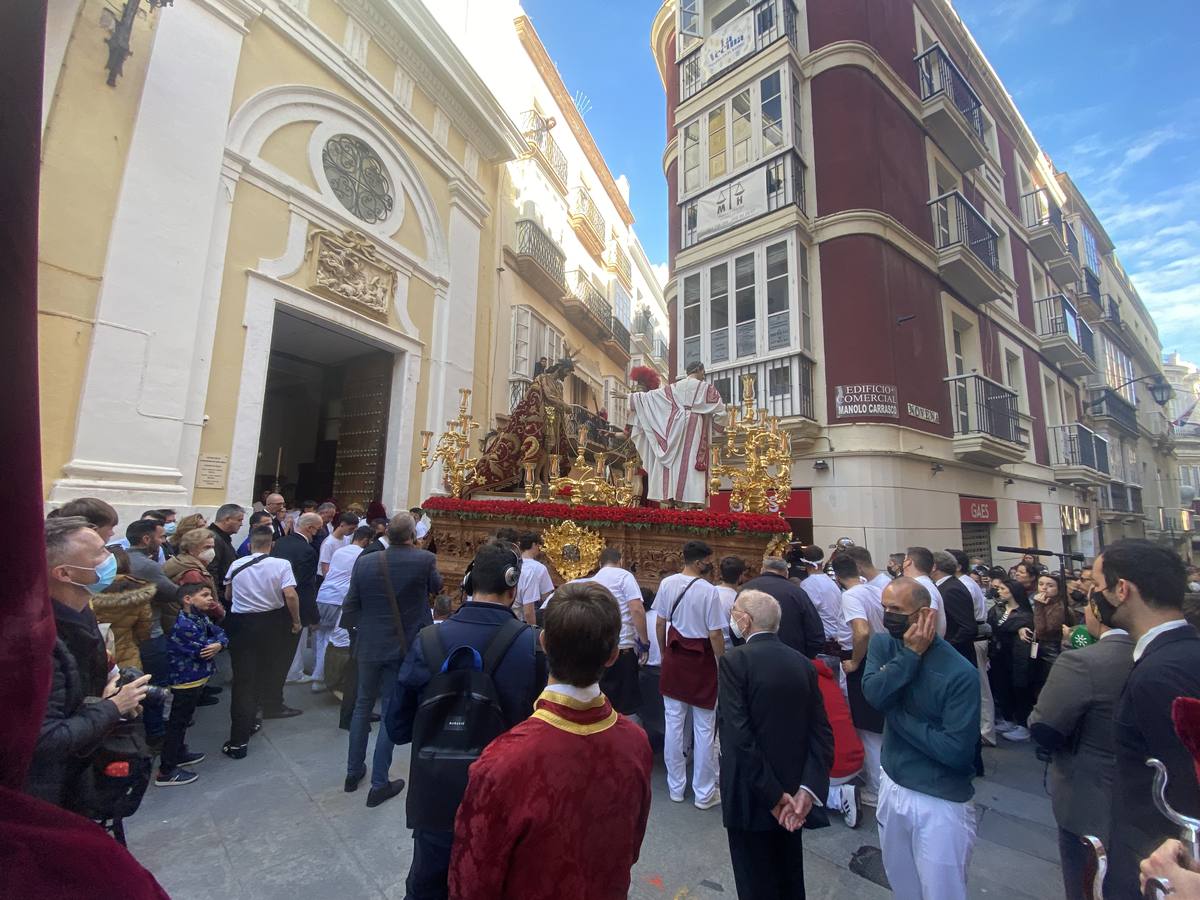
556	807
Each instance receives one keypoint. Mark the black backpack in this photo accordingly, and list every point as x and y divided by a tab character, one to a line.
118	771
459	715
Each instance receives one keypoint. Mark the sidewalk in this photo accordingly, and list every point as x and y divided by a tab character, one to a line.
278	825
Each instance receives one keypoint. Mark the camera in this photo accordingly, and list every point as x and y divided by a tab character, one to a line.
154	693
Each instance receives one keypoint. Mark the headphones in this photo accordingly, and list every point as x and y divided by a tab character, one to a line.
512	574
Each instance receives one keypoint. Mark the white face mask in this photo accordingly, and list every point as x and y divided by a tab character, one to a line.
734	628
207	556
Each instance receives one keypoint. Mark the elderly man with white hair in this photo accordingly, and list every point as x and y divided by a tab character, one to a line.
296	547
776	751
929	695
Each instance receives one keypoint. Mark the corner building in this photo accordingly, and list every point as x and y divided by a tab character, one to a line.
862	223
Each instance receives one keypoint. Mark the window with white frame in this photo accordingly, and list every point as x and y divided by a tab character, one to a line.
753	124
742	306
616	405
1118	369
622	307
532	338
689	24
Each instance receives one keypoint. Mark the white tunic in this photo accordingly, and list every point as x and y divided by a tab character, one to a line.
672	430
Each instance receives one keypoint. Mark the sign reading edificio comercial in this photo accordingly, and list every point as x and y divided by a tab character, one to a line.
733	203
725	46
866	400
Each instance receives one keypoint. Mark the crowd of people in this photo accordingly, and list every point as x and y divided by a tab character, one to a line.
808	688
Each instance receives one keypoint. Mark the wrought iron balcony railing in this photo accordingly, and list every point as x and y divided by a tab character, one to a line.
983	406
586	210
582	289
620	334
534	243
769	21
1089	286
617	260
938	74
783	386
1039	208
1072	242
785	186
957	222
1055	316
1109	404
537	136
1078	445
643	323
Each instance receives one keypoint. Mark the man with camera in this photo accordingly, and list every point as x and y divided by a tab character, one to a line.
85	704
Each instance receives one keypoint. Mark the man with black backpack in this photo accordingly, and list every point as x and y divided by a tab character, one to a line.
463	683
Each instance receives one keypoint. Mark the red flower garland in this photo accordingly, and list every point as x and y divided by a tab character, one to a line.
637	517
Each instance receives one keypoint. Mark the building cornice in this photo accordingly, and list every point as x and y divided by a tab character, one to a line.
238	13
549	73
671	153
661	29
415	40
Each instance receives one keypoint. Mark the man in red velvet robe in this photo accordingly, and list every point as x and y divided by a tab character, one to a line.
557	806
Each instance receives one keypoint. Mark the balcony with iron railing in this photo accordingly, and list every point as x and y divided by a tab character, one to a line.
1078	455
588	222
540	260
1065	269
543	148
950	108
987	421
1110	309
724	49
783	386
1042	218
1088	298
966	245
1066	339
588	309
1107	404
735	202
661	352
616	344
616	260
644	329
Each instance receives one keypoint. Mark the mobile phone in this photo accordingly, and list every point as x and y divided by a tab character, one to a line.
1033	650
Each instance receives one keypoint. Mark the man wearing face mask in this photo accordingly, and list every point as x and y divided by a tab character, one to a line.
929	696
78	566
1140	587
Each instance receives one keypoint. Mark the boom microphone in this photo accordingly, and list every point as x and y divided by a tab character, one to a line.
1033	551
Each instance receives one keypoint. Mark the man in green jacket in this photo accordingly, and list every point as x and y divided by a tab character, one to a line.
929	695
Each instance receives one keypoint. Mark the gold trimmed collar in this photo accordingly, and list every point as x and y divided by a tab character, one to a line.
580	728
553	696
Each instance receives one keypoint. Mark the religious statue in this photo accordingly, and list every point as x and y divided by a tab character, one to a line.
672	430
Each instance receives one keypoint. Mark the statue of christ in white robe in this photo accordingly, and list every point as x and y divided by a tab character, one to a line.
672	430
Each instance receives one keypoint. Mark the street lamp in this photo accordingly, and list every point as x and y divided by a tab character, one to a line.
1160	390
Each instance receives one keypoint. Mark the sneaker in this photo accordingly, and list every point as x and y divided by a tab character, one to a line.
318	687
714	800
234	751
868	797
302	678
677	798
1003	726
851	806
179	776
1017	733
188	758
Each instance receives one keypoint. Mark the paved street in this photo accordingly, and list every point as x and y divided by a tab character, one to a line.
278	825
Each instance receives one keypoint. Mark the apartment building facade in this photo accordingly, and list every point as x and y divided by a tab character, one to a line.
862	222
1184	412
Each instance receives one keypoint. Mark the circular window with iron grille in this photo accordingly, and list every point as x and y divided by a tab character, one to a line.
358	177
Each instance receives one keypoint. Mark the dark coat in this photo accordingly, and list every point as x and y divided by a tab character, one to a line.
774	733
375	546
1008	653
1169	668
799	622
959	607
299	552
371	609
226	554
70	728
81	634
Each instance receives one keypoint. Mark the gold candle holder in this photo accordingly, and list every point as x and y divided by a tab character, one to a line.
465	396
600	463
426	437
555	465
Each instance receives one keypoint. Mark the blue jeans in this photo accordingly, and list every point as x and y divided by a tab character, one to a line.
154	663
374	679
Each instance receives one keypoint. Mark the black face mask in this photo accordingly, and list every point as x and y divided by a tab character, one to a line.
896	623
1106	610
1078	597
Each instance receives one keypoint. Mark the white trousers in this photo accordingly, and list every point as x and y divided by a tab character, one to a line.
297	668
704	749
926	842
872	751
987	708
320	642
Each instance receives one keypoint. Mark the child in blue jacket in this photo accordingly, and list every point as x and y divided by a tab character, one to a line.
191	646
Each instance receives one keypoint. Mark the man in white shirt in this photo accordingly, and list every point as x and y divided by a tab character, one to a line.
535	586
918	565
826	596
862	606
264	613
733	571
689	615
866	567
333	592
620	680
346	525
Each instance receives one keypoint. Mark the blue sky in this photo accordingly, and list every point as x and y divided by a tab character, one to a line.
1111	91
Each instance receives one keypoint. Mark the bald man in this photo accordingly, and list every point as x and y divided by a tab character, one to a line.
277	507
929	696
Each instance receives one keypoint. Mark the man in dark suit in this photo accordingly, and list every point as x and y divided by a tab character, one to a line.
776	751
387	604
1140	587
1074	721
958	604
800	624
328	512
225	524
296	548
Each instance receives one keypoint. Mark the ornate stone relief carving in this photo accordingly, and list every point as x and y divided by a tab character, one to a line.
346	268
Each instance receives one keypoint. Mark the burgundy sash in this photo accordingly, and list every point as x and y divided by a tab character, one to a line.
689	668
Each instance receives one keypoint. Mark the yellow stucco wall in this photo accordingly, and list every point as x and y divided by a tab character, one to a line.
84	148
287	148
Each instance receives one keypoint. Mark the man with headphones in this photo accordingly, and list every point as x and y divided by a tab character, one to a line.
519	676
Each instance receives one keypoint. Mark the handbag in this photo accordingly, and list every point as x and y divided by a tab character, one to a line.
689	668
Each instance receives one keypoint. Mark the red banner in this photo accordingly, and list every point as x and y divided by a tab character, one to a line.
977	509
1029	512
799	505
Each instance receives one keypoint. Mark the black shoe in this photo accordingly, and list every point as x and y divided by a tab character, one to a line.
213	691
284	712
352	781
374	718
234	751
207	701
377	796
256	727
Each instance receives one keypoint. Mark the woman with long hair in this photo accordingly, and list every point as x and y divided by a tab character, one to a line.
1051	615
182	527
1010	672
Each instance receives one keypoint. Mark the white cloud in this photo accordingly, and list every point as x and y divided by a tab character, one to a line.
661	272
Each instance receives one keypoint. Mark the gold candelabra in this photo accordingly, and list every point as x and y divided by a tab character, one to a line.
453	449
759	464
585	484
